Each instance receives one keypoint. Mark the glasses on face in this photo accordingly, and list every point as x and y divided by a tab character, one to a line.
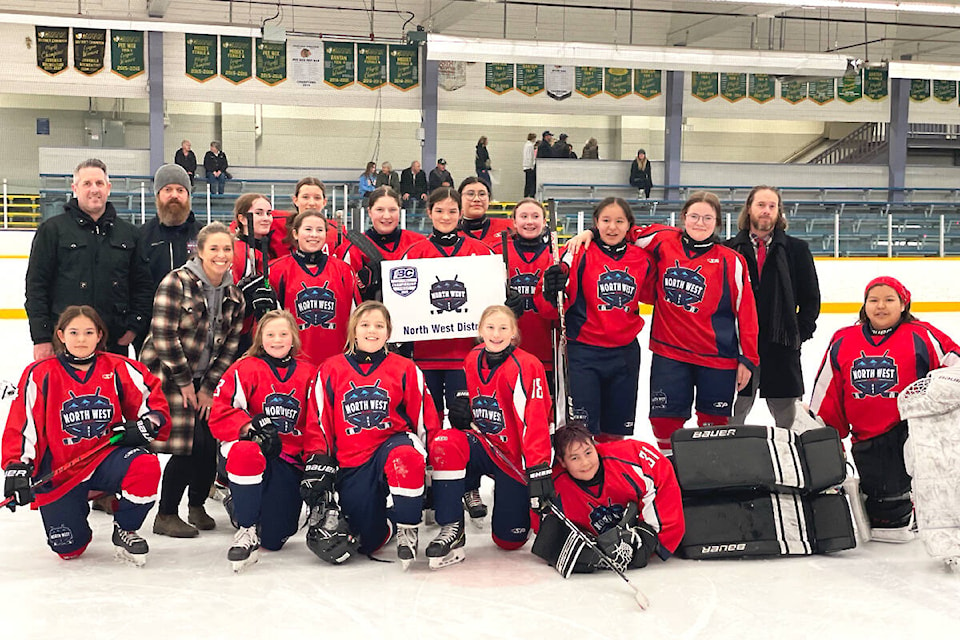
475	195
696	218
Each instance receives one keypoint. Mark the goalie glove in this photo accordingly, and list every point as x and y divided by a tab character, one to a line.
258	295
630	543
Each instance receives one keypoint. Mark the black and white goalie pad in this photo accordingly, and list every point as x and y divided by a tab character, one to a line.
751	457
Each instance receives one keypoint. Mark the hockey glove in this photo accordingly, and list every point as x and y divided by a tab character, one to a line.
258	295
329	537
368	281
16	482
264	433
630	543
137	433
319	474
554	282
459	411
540	486
515	302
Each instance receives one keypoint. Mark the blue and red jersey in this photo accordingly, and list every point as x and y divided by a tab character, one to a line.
489	231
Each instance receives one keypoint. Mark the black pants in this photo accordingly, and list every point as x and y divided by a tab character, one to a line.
195	471
883	477
529	183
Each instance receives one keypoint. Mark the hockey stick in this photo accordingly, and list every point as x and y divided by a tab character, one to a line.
562	414
69	465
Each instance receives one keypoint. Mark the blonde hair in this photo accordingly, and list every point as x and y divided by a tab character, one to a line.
362	309
500	308
257	350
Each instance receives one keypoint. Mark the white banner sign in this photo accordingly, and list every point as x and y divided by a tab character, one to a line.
438	298
306	62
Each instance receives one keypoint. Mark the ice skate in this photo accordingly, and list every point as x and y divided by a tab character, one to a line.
228	506
447	547
218	491
246	548
475	507
131	548
407	536
896	535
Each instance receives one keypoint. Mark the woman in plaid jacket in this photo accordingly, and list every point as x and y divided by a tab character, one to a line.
197	318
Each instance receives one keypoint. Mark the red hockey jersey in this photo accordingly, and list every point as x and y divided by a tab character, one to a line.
391	247
861	375
704	311
489	232
511	407
631	471
320	297
253	386
353	408
60	413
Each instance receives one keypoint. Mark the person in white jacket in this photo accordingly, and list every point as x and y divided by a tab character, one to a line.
530	166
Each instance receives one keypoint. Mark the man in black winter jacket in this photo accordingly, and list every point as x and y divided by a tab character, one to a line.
87	255
413	187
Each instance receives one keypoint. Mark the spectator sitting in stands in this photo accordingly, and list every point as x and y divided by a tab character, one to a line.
413	187
640	173
368	180
388	177
439	177
215	167
186	158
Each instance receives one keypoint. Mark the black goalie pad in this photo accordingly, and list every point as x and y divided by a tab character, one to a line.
750	457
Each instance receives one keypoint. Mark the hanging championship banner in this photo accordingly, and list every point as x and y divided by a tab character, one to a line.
704	86
530	80
945	90
339	64
875	84
617	82
919	90
498	77
793	92
433	299
53	45
559	81
236	58
404	66
589	81
733	86
763	87
821	91
271	62
647	83
305	62
372	65
89	47
126	53
201	56
451	74
850	88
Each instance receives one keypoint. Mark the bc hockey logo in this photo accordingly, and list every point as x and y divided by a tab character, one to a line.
366	407
615	288
684	287
874	376
487	414
525	284
448	295
85	416
403	280
316	307
284	409
605	516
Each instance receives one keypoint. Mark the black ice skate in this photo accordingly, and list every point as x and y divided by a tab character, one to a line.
407	537
246	548
131	548
447	547
475	507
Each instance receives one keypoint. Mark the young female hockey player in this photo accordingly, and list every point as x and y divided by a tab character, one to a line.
310	194
250	252
623	493
609	279
258	415
865	368
319	290
442	360
386	238
197	317
369	418
509	407
67	411
475	199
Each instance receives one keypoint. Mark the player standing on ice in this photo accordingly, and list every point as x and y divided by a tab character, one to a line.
369	418
865	368
253	218
475	200
503	432
68	410
258	415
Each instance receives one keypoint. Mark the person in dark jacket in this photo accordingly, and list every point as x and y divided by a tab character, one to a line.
591	150
785	285
388	177
482	161
439	177
215	168
186	158
546	149
88	255
640	176
413	187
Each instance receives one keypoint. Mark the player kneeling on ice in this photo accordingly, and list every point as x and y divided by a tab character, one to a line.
502	431
69	409
865	368
624	494
258	415
369	417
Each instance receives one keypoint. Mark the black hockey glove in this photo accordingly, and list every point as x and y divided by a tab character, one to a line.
540	486
319	474
368	281
459	411
258	295
554	281
16	482
630	543
515	302
264	433
137	433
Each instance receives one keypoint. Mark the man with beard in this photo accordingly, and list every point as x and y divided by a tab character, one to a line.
785	285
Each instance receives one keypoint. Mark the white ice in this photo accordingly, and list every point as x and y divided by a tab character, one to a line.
187	589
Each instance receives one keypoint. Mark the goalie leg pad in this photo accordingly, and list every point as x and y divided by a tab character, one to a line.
884	479
562	549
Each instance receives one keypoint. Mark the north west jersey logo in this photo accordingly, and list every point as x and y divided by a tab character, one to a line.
525	284
605	516
684	287
487	414
316	307
366	407
615	288
448	295
284	409
85	416
874	376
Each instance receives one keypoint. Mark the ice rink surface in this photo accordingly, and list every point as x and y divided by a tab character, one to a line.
187	589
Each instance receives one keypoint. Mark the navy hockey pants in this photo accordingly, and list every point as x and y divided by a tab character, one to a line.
603	382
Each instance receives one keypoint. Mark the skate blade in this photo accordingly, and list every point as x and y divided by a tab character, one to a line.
455	556
240	565
405	564
894	536
135	560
